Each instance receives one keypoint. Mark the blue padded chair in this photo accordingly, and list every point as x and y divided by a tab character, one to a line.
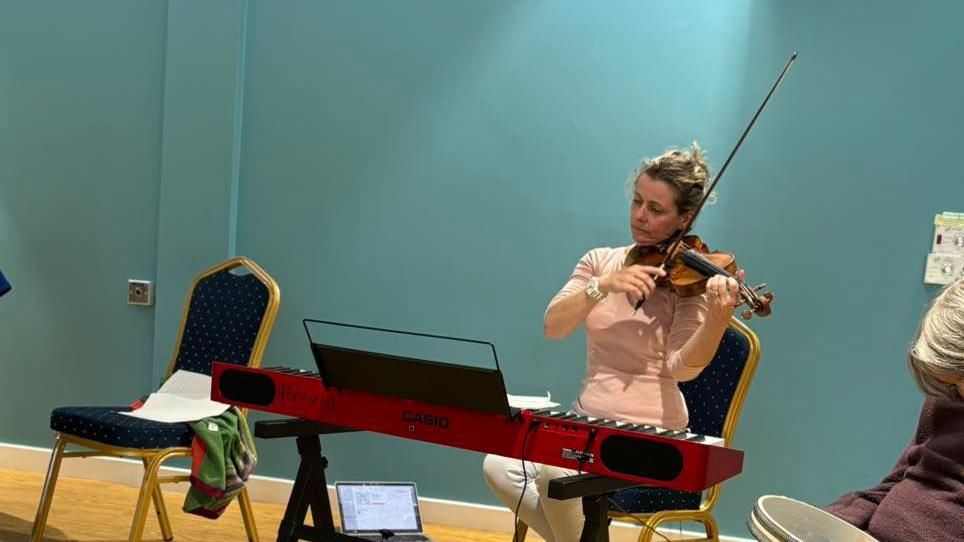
228	317
4	284
714	400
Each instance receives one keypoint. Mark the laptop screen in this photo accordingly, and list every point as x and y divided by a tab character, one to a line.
367	507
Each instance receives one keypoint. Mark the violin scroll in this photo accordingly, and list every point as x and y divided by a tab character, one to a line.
761	304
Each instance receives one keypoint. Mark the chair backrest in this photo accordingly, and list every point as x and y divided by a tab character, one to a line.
715	398
227	317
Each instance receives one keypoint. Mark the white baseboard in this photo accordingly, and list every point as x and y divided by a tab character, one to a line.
277	490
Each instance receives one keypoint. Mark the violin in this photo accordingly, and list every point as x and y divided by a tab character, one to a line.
692	266
688	261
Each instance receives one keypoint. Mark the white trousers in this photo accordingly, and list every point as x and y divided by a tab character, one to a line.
555	521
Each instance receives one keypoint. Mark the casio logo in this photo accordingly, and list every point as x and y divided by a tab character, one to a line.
441	422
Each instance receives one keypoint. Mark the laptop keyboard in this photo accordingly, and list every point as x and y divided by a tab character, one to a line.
396	538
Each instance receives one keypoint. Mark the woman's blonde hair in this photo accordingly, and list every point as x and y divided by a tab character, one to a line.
685	170
939	345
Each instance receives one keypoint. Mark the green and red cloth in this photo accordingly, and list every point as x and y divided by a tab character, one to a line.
223	456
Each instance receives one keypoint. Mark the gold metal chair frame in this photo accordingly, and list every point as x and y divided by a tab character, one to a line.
704	514
154	458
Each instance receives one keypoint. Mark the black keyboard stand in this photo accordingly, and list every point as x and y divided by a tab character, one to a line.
595	492
311	487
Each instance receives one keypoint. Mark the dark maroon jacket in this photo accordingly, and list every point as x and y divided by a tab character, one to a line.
923	498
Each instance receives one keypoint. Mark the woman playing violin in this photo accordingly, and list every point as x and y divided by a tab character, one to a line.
634	358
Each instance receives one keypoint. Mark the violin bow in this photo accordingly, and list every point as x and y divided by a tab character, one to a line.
678	236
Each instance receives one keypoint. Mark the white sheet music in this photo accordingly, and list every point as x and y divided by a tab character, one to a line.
531	402
184	397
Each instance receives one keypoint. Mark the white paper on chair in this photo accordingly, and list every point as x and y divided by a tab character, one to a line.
184	397
531	402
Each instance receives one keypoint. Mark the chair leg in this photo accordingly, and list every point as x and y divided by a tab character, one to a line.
47	494
657	519
520	532
247	515
646	534
162	518
148	485
712	531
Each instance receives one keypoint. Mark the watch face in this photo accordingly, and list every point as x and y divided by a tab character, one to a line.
592	289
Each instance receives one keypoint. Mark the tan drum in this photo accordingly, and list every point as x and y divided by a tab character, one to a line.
781	519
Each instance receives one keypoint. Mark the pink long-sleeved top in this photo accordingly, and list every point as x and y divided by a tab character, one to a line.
633	361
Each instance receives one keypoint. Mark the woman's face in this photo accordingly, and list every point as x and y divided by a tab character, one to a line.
952	379
653	215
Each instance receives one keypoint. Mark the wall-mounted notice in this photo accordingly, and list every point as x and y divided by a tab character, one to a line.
945	263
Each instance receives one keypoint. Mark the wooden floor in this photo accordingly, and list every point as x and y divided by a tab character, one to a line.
89	511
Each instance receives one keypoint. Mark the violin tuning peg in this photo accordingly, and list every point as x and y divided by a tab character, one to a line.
747	314
760	287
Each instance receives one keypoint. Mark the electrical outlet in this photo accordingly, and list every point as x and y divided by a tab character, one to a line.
140	292
943	268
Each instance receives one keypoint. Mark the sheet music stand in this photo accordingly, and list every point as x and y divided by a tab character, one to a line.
466	387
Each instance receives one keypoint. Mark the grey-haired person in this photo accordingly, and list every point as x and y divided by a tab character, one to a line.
923	497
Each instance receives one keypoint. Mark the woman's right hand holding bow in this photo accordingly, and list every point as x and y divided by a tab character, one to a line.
637	281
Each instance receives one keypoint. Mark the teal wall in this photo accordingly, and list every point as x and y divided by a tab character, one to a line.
440	167
197	226
81	87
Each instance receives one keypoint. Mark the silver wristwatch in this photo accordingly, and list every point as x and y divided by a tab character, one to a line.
593	291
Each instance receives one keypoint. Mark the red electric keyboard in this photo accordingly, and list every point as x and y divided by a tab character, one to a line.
638	453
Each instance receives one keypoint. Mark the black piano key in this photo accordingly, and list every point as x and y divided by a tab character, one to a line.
607	423
648	429
580	419
672	434
568	416
695	438
542	412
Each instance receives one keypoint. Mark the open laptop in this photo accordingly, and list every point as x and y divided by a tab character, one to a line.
380	511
